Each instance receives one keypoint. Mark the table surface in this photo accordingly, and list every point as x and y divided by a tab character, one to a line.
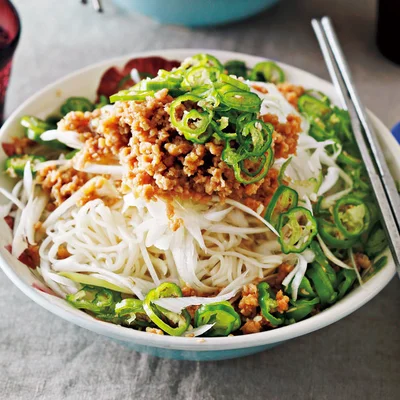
44	357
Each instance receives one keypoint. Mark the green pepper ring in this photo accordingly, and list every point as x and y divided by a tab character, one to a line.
155	313
221	310
282	192
350	200
332	241
312	231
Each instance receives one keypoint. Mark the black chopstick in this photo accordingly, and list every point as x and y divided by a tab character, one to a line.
382	182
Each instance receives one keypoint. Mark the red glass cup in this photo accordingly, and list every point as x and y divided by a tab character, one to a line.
10	29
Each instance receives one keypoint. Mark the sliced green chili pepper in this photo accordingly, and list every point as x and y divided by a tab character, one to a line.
161	83
232	156
256	137
201	75
256	165
282	201
376	243
52	120
234	82
34	129
344	129
267	71
103	101
242	174
320	131
346	278
221	133
267	302
193	124
297	227
319	96
300	309
241	100
312	107
281	176
221	314
322	283
324	263
351	216
332	236
15	165
131	95
348	159
76	104
237	68
170	322
305	289
95	299
131	312
203	59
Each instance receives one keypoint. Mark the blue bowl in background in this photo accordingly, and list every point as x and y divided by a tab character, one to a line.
195	13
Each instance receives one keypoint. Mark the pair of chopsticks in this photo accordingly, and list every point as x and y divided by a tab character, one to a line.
96	4
382	182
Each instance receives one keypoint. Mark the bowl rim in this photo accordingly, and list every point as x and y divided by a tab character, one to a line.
321	320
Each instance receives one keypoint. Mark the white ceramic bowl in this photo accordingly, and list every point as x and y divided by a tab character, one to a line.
84	83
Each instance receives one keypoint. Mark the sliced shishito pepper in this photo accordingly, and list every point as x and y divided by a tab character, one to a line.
95	299
346	277
267	71
15	165
34	129
322	283
297	228
241	100
351	216
313	107
131	312
203	59
76	104
194	123
103	101
245	176
172	323
221	314
376	242
201	75
234	82
305	289
319	96
333	237
131	95
300	309
237	68
324	263
267	302
282	201
255	137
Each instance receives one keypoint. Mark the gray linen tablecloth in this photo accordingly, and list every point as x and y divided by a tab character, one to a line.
44	357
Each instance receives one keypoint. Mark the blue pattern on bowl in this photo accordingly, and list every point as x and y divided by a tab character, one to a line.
195	12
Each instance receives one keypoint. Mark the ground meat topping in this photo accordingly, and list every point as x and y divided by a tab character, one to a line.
283	302
362	261
61	183
159	162
249	301
291	92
